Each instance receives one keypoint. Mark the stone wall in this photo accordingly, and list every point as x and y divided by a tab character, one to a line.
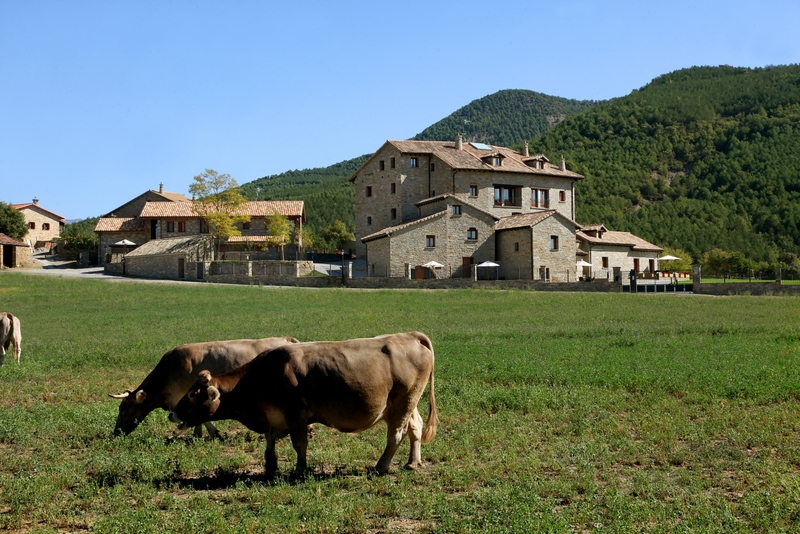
37	216
522	250
162	266
107	239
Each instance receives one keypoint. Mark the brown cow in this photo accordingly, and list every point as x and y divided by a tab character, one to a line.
179	369
10	332
348	385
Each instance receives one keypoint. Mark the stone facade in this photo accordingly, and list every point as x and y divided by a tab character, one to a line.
606	250
541	248
13	253
43	225
401	174
450	232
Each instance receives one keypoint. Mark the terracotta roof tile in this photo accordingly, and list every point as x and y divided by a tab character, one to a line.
5	240
119	224
620	239
390	230
37	206
470	158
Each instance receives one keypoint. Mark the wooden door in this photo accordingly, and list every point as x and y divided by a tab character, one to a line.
466	266
419	272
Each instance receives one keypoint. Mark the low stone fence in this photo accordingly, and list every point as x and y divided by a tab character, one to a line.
745	288
264	271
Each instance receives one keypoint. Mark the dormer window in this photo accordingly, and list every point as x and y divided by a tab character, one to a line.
497	161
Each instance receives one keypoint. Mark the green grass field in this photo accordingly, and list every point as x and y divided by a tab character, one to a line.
559	412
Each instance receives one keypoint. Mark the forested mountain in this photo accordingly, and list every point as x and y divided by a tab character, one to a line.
503	118
701	158
327	194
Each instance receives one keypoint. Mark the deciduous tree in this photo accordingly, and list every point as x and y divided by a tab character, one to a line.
220	202
12	222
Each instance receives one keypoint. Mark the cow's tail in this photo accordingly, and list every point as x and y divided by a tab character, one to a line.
433	415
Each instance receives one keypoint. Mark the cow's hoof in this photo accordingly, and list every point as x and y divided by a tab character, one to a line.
413	466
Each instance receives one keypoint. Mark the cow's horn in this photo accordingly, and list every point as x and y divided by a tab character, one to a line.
120	396
213	394
205	376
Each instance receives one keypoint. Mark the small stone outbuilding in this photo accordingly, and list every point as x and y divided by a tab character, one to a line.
13	253
167	258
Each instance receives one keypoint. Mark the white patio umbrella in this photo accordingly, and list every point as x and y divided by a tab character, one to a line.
489	264
124	243
668	258
433	264
582	263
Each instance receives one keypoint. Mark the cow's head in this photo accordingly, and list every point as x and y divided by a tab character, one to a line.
198	405
132	410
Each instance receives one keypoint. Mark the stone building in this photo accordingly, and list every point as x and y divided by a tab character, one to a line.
124	222
160	215
606	250
460	204
13	253
43	225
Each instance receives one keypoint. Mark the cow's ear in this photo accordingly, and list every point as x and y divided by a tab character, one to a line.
213	394
205	377
140	396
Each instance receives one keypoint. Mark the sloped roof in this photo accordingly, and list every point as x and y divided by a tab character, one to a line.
37	206
620	239
263	208
391	229
445	196
5	240
469	158
526	220
119	224
170	245
240	239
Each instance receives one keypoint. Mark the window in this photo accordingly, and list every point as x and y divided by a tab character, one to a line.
497	162
32	226
393	187
203	227
430	241
181	226
540	164
433	168
516	247
414	162
382	165
170	226
45	226
553	242
505	195
391	163
562	196
473	190
369	190
394	213
605	262
369	220
539	198
636	264
245	226
456	210
472	234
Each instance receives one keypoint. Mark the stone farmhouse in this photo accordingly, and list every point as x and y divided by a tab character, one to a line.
461	204
166	233
43	225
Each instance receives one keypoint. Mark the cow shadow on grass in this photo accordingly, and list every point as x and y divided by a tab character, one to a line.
224	479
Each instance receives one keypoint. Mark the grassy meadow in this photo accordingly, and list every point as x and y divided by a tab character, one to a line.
560	412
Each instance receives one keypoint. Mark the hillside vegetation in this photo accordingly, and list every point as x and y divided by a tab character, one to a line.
503	118
701	158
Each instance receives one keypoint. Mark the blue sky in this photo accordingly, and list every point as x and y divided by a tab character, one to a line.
102	100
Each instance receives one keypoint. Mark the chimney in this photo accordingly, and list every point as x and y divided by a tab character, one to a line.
525	151
161	187
36	201
459	146
563	163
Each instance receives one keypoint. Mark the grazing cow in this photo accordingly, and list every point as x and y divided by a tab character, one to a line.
179	369
10	332
348	385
